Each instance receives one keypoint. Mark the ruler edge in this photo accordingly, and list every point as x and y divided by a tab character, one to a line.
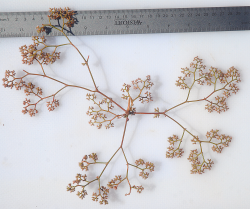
121	10
126	10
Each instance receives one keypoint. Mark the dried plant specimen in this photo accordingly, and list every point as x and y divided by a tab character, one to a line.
103	109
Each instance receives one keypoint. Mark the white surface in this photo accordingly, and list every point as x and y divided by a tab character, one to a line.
39	156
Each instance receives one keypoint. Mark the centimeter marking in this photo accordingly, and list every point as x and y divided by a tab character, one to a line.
139	21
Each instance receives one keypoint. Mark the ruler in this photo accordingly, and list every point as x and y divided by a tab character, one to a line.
138	21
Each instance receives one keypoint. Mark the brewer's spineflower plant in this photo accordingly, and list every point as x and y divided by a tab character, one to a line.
103	109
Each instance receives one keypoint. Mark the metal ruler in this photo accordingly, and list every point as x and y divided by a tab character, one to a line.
139	21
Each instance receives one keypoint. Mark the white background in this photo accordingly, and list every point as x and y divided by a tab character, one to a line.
39	156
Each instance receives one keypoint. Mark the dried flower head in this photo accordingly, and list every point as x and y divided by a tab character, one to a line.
36	51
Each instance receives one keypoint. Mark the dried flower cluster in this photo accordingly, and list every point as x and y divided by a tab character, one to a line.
197	165
99	116
105	110
172	152
102	194
148	166
139	85
223	82
10	80
84	163
66	15
36	51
